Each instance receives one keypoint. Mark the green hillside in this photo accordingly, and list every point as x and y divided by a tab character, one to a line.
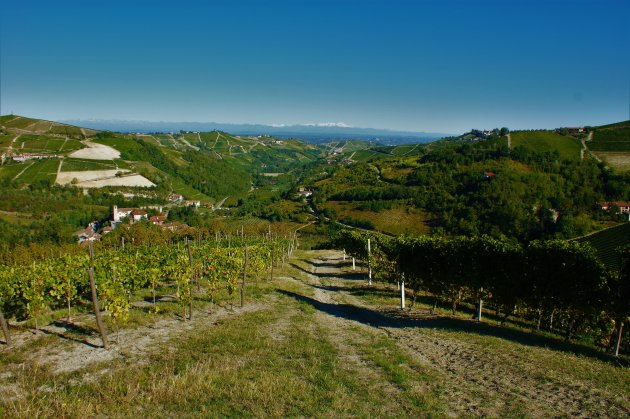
197	165
42	126
547	141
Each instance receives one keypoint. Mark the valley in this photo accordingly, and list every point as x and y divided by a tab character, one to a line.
229	263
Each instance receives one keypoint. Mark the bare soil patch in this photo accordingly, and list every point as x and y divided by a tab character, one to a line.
132	180
101	178
95	151
87	175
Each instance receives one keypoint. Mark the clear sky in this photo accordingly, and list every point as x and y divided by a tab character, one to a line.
444	66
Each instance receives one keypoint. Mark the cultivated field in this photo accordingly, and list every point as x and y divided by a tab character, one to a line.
316	341
568	147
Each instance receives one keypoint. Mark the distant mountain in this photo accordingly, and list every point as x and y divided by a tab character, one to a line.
314	133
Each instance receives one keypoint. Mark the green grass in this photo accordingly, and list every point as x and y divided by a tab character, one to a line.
541	141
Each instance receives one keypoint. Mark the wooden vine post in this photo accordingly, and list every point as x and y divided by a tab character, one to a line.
479	306
283	250
244	278
617	337
5	329
192	273
97	313
369	262
273	254
402	293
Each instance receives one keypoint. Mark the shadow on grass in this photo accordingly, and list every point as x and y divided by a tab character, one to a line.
398	319
338	265
72	328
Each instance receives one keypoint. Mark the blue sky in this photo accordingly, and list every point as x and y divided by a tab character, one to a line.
444	66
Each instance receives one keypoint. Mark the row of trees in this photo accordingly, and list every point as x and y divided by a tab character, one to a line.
552	281
190	269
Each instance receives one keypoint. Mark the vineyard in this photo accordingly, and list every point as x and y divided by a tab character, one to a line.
107	280
611	139
560	286
313	339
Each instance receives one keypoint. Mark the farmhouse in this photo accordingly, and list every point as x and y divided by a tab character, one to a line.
624	207
32	156
192	204
304	192
134	214
88	234
574	130
158	220
175	197
139	215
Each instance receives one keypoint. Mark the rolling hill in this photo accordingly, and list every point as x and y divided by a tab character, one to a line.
205	166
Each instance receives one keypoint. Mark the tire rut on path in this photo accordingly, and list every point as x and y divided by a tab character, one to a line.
476	380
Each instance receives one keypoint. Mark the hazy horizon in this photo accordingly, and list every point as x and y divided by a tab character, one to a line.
421	66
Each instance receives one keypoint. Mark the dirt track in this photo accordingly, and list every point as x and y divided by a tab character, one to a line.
475	380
